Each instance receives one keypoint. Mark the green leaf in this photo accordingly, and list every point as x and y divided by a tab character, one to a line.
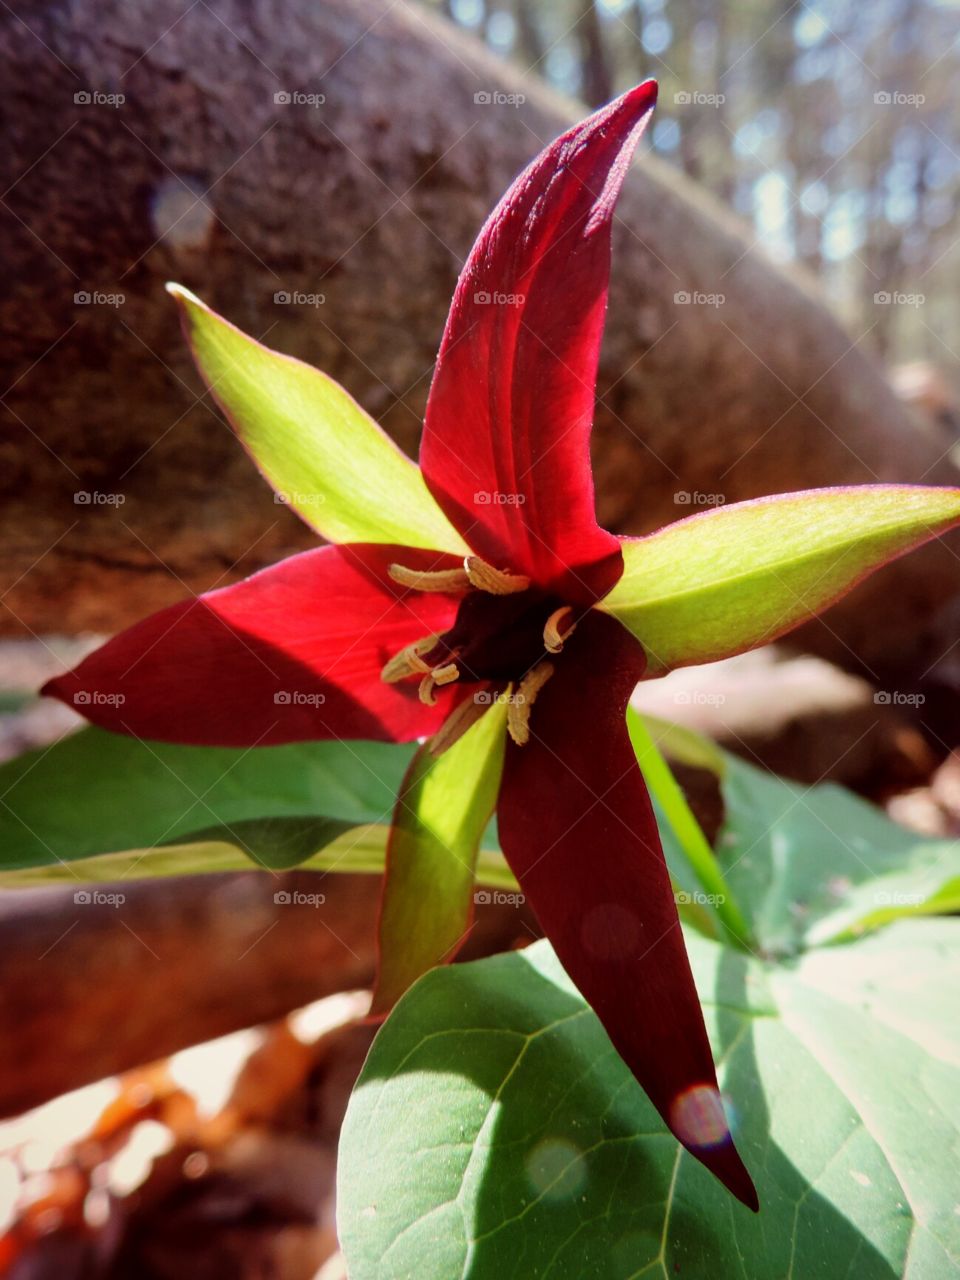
494	1133
442	811
318	449
709	889
736	577
811	865
102	793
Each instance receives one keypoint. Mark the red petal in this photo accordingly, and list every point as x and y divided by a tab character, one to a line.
505	447
291	654
578	831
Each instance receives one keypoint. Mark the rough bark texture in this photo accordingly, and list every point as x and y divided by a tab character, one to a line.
370	200
92	989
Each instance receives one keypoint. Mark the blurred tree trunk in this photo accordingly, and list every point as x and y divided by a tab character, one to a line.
89	990
370	200
529	39
596	79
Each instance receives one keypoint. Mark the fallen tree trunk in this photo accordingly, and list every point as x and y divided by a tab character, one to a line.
94	987
222	167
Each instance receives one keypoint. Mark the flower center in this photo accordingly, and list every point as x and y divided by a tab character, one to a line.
503	634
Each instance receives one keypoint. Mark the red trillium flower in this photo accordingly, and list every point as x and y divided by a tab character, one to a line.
476	604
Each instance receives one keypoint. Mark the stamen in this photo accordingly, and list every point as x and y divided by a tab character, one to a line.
553	637
408	661
430	580
520	704
426	691
497	582
446	674
457	723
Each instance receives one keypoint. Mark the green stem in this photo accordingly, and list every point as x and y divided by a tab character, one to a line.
665	789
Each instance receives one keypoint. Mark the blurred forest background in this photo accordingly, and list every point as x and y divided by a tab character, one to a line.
788	112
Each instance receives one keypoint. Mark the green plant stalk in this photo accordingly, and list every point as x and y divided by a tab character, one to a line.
664	787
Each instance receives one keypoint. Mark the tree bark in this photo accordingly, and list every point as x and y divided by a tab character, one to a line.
92	988
370	199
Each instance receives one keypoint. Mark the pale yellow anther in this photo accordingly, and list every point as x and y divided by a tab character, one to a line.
430	580
554	633
446	674
408	661
521	702
426	691
457	723
497	582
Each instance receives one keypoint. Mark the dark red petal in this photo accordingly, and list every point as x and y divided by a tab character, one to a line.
578	831
505	447
291	654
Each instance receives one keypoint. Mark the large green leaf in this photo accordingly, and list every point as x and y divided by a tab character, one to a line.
739	576
442	811
319	450
495	1133
816	864
101	793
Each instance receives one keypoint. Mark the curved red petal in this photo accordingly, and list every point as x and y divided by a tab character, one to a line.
579	833
505	447
291	654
